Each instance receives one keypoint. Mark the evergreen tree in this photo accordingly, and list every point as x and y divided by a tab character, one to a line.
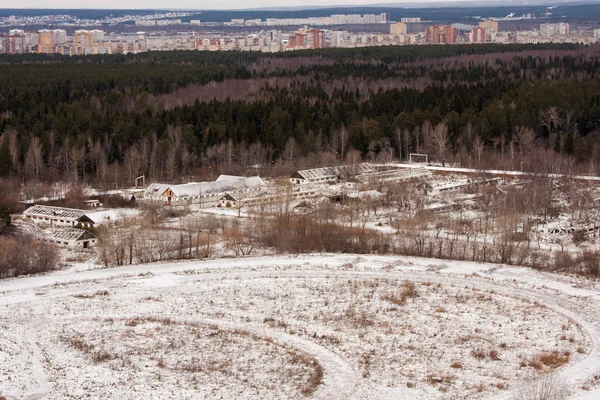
6	166
569	144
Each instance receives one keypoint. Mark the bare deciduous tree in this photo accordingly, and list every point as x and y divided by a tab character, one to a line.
525	136
34	159
440	137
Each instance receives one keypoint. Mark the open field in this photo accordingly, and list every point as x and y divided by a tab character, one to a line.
318	326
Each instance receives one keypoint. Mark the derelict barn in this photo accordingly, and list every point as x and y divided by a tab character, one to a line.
54	216
68	217
207	194
70	237
394	175
330	174
271	195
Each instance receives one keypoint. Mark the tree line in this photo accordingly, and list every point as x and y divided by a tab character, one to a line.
107	119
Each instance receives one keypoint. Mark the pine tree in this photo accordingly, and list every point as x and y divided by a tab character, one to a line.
569	143
557	146
6	166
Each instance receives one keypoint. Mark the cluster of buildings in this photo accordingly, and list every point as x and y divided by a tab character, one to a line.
269	42
401	33
84	42
66	20
67	226
95	41
336	19
236	192
55	41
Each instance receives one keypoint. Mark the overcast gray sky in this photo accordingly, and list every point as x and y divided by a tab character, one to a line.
197	5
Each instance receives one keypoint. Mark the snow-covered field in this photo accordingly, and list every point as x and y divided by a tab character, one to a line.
317	326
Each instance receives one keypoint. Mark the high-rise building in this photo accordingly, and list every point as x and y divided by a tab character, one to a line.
274	37
338	38
60	36
83	38
46	42
489	25
549	30
98	35
477	35
441	34
13	44
412	20
318	38
354	19
339	19
398	28
299	40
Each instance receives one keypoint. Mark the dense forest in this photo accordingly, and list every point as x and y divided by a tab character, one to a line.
574	11
182	115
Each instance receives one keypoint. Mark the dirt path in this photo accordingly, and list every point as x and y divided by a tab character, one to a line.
560	294
38	369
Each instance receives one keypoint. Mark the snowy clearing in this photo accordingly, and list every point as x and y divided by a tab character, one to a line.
316	326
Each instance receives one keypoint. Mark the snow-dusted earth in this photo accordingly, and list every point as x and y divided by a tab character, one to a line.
317	326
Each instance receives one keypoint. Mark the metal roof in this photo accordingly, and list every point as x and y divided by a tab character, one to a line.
67	234
277	191
98	217
317	173
394	175
224	177
156	189
335	172
191	190
55	212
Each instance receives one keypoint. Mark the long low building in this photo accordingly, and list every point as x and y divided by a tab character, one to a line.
394	175
70	237
205	193
330	174
68	217
271	195
54	216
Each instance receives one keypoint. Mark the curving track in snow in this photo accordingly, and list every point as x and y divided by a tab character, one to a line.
563	295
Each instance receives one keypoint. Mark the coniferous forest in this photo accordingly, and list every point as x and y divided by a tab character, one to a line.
175	116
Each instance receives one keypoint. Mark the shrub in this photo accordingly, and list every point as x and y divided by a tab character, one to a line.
550	359
542	387
24	255
590	261
563	261
554	359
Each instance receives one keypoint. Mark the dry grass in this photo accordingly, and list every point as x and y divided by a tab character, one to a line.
142	320
316	377
478	354
409	291
99	293
97	356
438	379
550	359
275	323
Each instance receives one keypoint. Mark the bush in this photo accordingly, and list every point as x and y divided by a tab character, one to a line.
563	261
23	255
304	234
578	237
590	261
543	387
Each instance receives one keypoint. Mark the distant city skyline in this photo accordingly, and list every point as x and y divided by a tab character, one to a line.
266	4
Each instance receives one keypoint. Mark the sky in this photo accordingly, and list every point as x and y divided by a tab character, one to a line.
207	4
